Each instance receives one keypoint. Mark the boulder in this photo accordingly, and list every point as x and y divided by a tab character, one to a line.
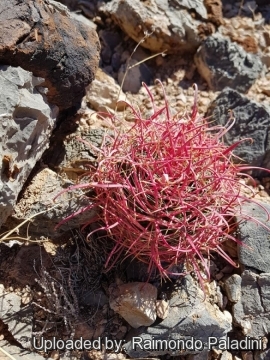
224	63
27	121
169	25
41	37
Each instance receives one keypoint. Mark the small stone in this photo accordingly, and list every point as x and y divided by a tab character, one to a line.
256	252
219	276
55	355
247	355
104	93
162	309
233	287
67	60
135	302
131	76
226	355
26	298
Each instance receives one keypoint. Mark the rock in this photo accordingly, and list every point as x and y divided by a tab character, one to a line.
255	253
27	121
190	316
110	40
87	22
252	121
226	355
133	78
67	60
214	10
104	93
135	302
67	154
233	287
262	355
169	25
251	312
39	196
97	299
162	309
71	4
114	356
224	63
88	8
264	286
17	353
19	320
195	5
202	355
27	264
264	9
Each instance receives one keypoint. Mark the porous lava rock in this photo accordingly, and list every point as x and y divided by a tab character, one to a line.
41	37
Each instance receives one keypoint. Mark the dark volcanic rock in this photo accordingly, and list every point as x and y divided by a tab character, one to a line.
41	37
256	252
252	122
251	312
224	63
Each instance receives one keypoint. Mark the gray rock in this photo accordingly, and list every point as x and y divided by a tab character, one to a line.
233	287
84	20
224	63
17	352
202	355
252	121
251	313
196	5
27	122
162	307
19	320
136	74
255	253
110	40
189	316
169	24
264	286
